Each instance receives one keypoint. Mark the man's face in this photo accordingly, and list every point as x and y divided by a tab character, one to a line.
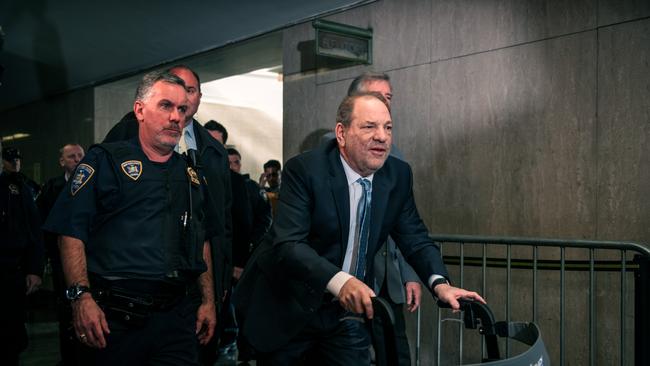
162	116
217	135
70	158
193	91
12	166
365	144
235	163
272	176
382	87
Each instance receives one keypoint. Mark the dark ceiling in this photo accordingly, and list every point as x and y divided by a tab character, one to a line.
52	46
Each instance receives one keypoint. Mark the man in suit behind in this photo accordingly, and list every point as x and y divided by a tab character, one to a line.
304	292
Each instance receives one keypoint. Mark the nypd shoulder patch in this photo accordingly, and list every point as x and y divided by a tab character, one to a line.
81	176
132	169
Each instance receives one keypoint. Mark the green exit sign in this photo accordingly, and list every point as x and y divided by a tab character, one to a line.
343	41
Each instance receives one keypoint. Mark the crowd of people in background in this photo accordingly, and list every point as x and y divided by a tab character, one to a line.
28	250
155	236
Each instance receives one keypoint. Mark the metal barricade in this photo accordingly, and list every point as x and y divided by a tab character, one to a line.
631	264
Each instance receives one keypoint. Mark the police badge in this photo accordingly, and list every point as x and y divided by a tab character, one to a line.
132	169
13	189
81	177
194	178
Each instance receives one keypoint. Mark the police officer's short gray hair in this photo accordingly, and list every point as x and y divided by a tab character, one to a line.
358	85
149	79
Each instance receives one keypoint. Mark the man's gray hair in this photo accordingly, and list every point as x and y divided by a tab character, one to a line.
344	113
358	85
149	79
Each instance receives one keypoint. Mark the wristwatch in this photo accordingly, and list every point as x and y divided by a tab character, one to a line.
439	281
75	291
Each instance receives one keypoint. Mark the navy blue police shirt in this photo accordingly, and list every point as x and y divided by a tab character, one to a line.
133	215
21	247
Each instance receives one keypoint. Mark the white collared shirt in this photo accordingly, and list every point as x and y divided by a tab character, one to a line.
188	135
355	190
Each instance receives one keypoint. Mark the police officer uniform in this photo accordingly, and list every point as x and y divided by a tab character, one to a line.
21	253
143	225
214	159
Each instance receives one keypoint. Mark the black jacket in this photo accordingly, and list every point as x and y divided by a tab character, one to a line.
21	244
242	220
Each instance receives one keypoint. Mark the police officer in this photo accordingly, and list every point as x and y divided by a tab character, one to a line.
214	160
70	156
21	256
133	222
12	163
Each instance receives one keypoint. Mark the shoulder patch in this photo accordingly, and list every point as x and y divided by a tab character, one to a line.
81	176
132	169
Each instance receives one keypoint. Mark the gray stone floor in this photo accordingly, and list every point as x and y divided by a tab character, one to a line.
43	349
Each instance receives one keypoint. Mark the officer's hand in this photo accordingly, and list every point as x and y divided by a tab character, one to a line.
355	297
89	322
413	295
450	295
32	282
206	320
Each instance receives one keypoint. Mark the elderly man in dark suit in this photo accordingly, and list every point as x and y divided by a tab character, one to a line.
305	291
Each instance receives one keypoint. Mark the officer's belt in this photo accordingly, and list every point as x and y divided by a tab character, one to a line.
148	295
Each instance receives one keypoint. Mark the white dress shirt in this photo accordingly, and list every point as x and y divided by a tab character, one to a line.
355	190
188	136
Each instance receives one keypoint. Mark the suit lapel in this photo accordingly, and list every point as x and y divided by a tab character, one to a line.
378	208
339	189
200	145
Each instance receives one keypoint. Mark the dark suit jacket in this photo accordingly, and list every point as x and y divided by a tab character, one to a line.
392	271
284	283
242	220
213	158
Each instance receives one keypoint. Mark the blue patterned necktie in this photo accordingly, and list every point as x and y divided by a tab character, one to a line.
363	229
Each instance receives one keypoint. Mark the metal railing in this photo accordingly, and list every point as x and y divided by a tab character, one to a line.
633	259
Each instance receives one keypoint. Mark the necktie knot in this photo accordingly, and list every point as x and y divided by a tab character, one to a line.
365	184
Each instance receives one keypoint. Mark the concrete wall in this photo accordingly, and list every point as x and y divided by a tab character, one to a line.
519	118
112	101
